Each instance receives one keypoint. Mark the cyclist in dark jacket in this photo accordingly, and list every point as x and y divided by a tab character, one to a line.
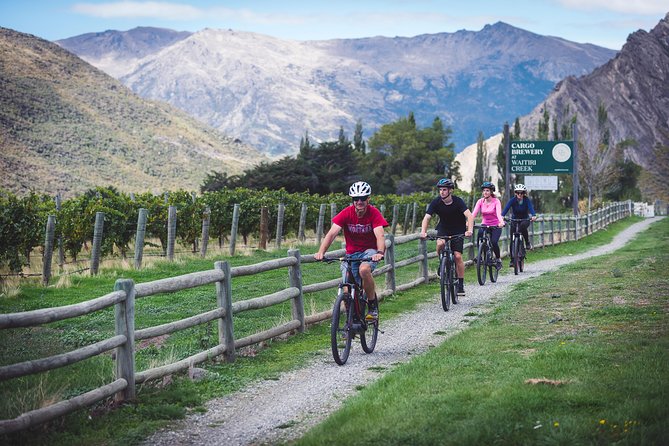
522	208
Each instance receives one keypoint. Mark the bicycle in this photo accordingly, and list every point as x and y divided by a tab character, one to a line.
517	245
348	315
485	260
448	276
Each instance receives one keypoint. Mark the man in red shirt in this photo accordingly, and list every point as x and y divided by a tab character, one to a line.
363	232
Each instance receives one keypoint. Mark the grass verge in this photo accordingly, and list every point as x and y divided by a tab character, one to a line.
578	356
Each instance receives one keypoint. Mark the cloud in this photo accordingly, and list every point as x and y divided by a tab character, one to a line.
157	10
642	7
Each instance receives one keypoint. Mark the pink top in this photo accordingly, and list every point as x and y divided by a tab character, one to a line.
491	212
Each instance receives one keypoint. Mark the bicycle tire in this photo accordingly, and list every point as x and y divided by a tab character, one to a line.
452	281
521	264
516	256
481	263
370	328
443	281
492	268
340	334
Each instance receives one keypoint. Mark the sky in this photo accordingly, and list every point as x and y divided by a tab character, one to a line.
605	23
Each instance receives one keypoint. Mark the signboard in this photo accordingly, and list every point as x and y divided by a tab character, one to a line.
529	157
538	182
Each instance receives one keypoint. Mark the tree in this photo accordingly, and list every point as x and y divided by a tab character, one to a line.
403	158
359	144
597	155
481	171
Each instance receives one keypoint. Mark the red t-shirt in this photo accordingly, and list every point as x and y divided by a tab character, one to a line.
359	232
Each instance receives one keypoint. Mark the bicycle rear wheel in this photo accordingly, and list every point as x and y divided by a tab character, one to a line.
482	263
516	256
340	331
452	282
443	281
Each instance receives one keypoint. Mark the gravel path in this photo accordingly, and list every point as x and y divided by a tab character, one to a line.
274	412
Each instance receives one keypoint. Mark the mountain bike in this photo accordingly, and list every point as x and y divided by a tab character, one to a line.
517	245
348	315
448	276
485	260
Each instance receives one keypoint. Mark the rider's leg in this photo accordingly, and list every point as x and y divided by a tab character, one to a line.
368	281
495	234
457	246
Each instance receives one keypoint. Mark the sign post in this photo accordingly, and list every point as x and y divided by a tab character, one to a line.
537	157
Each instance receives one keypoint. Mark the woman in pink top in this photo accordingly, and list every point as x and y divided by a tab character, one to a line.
491	212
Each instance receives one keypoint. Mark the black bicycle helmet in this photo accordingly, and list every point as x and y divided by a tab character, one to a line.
488	185
446	182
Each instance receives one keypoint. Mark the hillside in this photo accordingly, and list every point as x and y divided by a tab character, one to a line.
66	126
634	89
269	92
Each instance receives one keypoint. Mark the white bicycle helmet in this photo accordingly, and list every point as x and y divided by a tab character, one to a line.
520	188
360	189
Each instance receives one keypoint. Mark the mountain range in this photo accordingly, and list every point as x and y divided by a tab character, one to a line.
270	92
66	127
633	88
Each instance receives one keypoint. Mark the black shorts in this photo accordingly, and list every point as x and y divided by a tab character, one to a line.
457	244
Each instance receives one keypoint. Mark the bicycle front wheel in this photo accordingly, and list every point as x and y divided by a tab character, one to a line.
516	256
492	268
340	331
521	263
369	336
452	282
443	280
482	263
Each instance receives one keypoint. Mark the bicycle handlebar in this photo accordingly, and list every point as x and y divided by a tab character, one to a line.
346	258
516	219
445	237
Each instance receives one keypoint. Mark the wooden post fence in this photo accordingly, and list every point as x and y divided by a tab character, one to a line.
233	230
48	249
97	242
171	231
206	217
139	237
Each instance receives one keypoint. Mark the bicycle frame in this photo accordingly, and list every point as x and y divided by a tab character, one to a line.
485	260
348	315
517	246
448	276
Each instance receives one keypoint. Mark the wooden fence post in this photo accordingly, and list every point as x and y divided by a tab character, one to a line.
171	231
390	260
48	249
319	226
303	223
205	231
422	250
413	217
393	226
124	318
264	227
279	224
542	228
226	334
97	242
405	226
295	279
333	210
139	237
61	252
233	230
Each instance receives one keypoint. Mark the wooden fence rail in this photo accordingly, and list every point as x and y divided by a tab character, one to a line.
551	230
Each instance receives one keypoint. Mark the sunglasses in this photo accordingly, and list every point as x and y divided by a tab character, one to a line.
360	198
520	193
